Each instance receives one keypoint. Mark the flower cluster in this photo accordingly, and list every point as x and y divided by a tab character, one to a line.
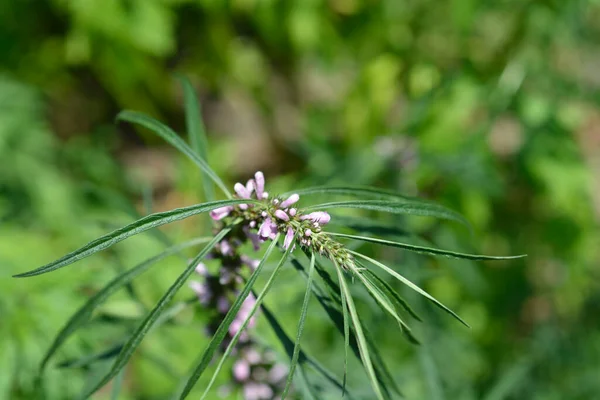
255	370
264	217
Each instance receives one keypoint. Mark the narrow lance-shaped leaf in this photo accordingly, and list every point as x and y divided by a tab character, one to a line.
386	288
355	191
244	325
303	312
219	335
383	300
362	343
410	285
396	207
196	131
83	314
426	250
288	346
332	304
139	226
141	331
172	138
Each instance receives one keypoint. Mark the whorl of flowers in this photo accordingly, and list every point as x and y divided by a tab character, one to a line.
264	217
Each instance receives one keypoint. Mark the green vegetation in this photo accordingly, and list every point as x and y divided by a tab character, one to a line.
490	110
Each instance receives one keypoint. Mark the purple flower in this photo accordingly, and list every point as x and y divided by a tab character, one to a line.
251	263
265	229
226	248
290	200
222	304
259	179
292	212
241	370
257	391
253	237
202	291
201	269
289	237
282	215
320	217
220	213
277	373
242	191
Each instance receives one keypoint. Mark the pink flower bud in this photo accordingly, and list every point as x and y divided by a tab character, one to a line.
220	213
289	237
241	370
259	180
282	215
320	217
241	191
290	200
292	212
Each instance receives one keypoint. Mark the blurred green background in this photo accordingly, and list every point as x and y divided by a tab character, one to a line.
489	108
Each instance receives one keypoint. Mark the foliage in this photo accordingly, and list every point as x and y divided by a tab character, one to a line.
488	109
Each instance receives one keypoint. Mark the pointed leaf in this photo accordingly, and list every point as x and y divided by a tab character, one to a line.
172	138
196	131
385	303
219	335
410	285
303	358
83	314
141	331
426	250
303	312
395	207
139	226
255	307
386	288
362	342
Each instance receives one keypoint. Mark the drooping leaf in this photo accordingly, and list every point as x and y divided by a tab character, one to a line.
354	191
172	138
410	285
332	304
141	331
303	358
367	225
87	360
196	131
362	341
396	207
426	250
219	335
244	325
83	314
139	226
386	288
384	301
303	312
117	385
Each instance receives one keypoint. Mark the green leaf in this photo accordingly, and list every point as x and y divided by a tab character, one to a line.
84	313
255	307
362	342
426	250
332	304
172	138
288	346
196	131
383	300
408	207
117	385
346	331
386	288
410	285
141	331
139	226
354	191
303	312
367	225
219	335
